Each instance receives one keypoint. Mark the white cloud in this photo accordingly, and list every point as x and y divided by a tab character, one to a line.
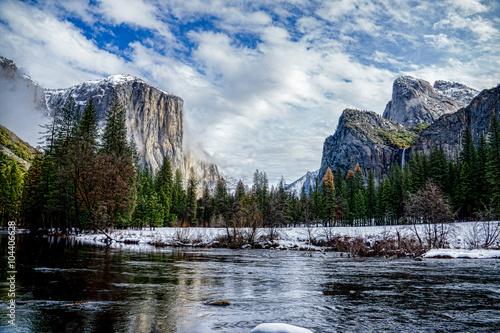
468	7
271	103
54	51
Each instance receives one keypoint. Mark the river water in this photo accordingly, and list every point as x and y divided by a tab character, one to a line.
67	286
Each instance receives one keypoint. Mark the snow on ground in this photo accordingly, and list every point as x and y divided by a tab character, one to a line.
458	253
463	236
279	328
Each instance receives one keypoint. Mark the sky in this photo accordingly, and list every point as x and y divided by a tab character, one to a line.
263	82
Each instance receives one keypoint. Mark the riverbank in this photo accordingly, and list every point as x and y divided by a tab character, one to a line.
401	240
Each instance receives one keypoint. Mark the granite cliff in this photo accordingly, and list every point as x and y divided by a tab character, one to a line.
415	101
368	139
154	117
448	131
418	116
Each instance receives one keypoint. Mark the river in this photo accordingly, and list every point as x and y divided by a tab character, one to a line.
67	286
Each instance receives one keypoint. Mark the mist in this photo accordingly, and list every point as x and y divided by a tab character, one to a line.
18	111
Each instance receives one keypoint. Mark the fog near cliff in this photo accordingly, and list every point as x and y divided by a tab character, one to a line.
18	111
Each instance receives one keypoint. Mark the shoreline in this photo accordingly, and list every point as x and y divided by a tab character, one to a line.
367	241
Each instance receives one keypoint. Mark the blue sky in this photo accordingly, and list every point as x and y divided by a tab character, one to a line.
263	82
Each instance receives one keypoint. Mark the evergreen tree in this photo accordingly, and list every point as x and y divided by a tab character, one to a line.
88	128
205	207
438	167
178	197
163	188
11	182
493	164
115	131
329	196
466	192
191	198
221	200
371	195
481	176
240	191
261	191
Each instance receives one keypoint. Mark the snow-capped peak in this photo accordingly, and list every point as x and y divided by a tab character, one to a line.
456	91
308	181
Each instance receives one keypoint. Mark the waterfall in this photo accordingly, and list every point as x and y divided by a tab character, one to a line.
403	159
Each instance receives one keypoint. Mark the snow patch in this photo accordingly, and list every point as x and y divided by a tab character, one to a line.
458	253
279	328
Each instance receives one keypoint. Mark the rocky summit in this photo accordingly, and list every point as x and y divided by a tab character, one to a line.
415	101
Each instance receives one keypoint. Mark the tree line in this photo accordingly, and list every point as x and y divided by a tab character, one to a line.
86	179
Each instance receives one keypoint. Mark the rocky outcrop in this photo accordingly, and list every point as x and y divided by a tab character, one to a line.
154	120
366	138
449	130
17	81
415	101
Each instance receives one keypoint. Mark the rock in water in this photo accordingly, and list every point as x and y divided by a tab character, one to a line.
218	303
279	328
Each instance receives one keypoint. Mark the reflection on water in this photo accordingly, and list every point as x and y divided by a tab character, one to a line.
66	286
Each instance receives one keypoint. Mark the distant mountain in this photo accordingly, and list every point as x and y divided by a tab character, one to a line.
154	117
308	181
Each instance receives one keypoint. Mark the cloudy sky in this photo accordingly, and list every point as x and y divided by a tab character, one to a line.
263	82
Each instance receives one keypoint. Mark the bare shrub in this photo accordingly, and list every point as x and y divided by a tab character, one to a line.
430	207
182	236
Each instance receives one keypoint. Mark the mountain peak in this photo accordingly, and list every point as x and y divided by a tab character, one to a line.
415	101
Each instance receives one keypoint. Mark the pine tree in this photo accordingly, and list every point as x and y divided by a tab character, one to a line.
115	131
371	195
481	177
205	207
329	196
163	188
88	127
465	191
221	200
493	164
438	167
11	183
240	191
191	198
178	198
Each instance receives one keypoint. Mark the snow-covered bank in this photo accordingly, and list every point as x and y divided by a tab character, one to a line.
374	240
459	253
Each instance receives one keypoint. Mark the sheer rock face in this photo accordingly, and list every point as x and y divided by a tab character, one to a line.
415	101
154	120
358	140
154	117
449	130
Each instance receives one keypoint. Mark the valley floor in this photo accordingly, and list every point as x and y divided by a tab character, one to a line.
462	240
